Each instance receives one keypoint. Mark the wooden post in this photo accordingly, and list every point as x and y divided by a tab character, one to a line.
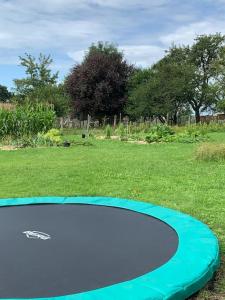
114	121
61	122
88	124
104	121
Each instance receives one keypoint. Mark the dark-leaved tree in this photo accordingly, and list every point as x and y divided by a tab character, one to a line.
98	86
5	95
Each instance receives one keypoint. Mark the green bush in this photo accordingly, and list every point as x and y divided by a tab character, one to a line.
121	130
210	152
26	120
108	131
159	133
52	137
190	137
163	133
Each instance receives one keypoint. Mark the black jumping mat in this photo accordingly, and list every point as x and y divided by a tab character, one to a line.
50	250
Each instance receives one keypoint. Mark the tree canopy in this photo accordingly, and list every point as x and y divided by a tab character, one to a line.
40	84
39	74
188	79
5	95
187	76
98	86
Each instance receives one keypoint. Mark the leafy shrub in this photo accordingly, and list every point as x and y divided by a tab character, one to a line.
121	131
51	138
159	133
190	137
152	138
163	133
210	152
108	131
26	120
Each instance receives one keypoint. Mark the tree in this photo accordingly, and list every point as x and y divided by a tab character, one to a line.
139	104
173	76
160	90
40	85
5	95
98	85
186	76
54	95
38	73
207	56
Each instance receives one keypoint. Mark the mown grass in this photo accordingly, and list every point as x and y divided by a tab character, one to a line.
164	174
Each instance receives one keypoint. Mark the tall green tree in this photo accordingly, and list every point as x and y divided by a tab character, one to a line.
139	102
38	74
5	95
160	90
40	84
207	56
98	86
186	76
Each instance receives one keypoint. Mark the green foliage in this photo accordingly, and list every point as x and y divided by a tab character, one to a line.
38	74
26	120
188	134
159	133
189	137
207	57
221	104
186	76
54	95
40	85
121	131
108	131
51	138
210	152
5	95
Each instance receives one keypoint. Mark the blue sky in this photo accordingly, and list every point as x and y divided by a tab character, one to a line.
66	28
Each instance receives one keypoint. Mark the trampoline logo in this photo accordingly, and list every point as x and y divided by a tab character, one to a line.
37	235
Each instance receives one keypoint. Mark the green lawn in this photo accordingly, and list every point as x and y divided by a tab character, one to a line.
164	174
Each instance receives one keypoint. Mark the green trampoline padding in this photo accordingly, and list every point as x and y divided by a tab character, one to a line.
186	272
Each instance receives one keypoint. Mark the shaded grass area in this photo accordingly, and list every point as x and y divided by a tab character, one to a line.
164	174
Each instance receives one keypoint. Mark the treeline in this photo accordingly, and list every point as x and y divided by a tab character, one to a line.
188	79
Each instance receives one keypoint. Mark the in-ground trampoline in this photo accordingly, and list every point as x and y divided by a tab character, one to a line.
98	248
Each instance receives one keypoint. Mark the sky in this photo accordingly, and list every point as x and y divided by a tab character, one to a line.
65	29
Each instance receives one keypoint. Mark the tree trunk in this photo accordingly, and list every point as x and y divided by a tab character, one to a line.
197	116
175	119
162	119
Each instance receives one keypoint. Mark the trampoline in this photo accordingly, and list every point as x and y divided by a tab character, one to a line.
98	248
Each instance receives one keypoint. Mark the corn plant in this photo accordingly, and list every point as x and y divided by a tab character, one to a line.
26	120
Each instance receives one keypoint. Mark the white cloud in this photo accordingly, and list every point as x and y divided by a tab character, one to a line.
186	34
66	28
77	56
142	55
130	3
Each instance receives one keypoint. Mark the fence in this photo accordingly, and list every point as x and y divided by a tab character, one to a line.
69	122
